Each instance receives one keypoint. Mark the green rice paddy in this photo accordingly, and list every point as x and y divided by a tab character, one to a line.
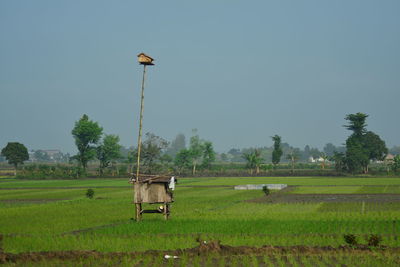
55	215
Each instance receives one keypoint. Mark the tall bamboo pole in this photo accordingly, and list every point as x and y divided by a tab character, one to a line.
139	147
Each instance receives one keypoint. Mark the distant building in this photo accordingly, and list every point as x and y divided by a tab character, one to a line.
316	160
32	157
53	153
389	158
46	155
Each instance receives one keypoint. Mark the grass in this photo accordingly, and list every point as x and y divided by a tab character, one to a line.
70	221
55	194
220	181
207	181
19	183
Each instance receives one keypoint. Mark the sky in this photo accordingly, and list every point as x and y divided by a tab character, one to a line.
238	71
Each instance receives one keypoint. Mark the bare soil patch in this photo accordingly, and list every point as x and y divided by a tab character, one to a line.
214	248
316	198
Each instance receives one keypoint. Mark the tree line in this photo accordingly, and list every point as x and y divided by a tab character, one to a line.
159	155
362	147
155	155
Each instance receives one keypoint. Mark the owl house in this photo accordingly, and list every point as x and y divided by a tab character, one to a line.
145	59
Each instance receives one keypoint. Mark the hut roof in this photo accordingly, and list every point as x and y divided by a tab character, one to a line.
143	54
145	59
149	178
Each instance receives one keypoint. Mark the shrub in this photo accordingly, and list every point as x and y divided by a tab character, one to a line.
265	190
90	193
350	239
374	240
42	171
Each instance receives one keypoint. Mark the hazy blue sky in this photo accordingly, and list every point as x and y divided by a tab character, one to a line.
238	71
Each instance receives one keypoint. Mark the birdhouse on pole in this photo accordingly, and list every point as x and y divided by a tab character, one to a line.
151	189
145	59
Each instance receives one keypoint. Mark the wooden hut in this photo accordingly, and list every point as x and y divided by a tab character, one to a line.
153	189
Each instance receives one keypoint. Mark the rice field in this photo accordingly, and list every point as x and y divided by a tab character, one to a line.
55	216
208	181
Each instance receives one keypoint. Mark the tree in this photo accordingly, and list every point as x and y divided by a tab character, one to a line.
131	157
177	145
293	156
340	160
396	164
362	146
375	147
253	160
108	151
15	153
356	123
41	155
356	155
151	152
258	160
223	157
235	155
329	149
277	152
196	150
86	134
183	160
306	153
208	154
315	153
325	158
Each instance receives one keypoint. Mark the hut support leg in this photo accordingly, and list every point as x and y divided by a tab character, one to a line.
138	213
166	211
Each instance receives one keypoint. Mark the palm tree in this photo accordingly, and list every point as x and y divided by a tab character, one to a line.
324	160
293	156
208	154
254	160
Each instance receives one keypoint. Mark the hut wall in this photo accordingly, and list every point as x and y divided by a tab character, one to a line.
152	193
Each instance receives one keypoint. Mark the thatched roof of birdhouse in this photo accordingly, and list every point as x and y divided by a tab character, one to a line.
143	54
150	178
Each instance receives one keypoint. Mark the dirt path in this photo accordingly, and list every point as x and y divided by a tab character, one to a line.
214	248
